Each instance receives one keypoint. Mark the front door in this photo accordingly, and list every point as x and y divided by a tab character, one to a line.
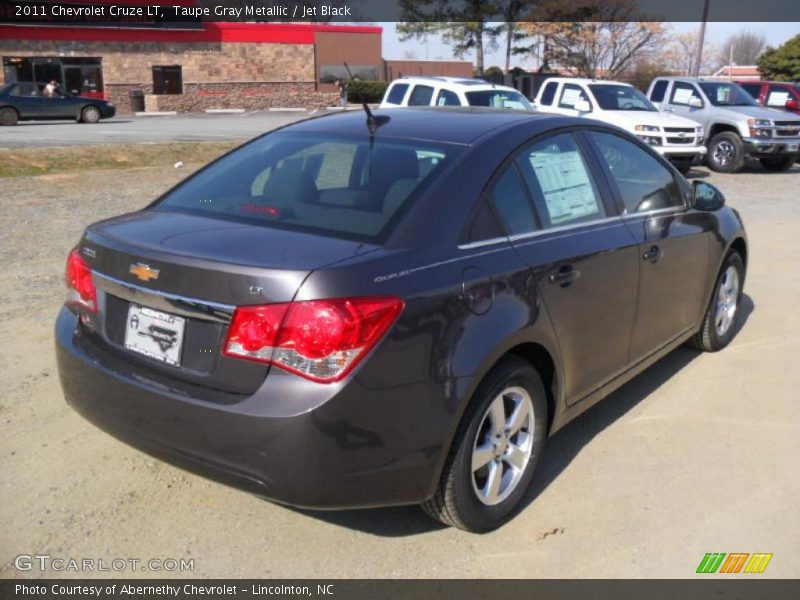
674	242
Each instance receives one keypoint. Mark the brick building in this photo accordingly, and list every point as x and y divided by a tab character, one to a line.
195	67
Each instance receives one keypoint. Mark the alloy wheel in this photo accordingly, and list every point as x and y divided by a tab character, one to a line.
503	445
724	153
727	300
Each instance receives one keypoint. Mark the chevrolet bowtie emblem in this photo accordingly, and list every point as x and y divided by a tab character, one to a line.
144	272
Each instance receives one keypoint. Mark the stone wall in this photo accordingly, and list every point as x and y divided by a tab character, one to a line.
215	75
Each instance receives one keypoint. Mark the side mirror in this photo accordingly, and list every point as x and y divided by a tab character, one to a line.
706	196
792	105
583	106
695	102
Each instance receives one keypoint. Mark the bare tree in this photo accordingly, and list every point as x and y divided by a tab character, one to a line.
679	55
409	55
744	47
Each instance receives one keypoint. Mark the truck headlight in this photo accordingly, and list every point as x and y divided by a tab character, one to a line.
651	140
647	128
757	128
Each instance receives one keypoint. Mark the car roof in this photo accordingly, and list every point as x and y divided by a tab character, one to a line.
453	125
455	82
586	81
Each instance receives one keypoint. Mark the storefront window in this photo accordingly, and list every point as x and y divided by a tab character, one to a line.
168	80
77	75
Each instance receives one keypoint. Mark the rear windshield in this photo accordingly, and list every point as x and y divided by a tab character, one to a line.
319	183
499	99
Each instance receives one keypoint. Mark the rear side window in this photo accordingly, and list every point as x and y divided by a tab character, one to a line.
549	93
320	183
447	98
421	95
644	183
659	90
397	93
510	200
560	182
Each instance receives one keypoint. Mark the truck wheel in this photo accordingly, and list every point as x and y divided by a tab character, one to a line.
8	116
490	466
726	153
778	164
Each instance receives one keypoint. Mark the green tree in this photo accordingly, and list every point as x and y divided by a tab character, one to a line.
782	63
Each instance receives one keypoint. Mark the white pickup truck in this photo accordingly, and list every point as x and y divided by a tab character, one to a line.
678	139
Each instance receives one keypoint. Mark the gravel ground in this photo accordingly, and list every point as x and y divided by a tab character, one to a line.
698	454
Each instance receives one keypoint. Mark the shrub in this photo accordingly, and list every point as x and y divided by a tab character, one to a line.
365	91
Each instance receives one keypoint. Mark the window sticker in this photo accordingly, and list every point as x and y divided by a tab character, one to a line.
777	98
682	95
570	96
567	189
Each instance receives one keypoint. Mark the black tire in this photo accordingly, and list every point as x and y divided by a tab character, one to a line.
456	501
8	116
90	114
709	338
726	153
778	164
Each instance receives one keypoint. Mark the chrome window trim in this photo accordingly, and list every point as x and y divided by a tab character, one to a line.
539	232
174	303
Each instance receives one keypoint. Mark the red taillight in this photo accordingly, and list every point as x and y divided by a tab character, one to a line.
80	287
322	340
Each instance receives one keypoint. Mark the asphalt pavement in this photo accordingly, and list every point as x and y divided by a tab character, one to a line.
128	129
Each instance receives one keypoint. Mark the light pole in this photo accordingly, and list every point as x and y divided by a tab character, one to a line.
699	56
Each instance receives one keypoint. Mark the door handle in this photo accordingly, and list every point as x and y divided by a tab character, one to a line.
564	276
653	255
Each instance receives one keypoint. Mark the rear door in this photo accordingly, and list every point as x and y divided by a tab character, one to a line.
674	241
584	259
27	99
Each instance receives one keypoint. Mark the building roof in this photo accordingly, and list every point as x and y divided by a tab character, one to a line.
741	72
212	32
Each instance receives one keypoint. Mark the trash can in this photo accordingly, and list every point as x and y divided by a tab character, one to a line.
137	101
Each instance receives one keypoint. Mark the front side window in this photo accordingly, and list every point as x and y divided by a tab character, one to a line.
682	93
320	183
447	98
777	97
621	97
421	95
643	182
754	89
499	99
559	180
511	202
397	93
571	95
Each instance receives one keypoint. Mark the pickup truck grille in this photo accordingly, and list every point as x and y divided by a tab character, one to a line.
679	129
787	132
679	140
787	123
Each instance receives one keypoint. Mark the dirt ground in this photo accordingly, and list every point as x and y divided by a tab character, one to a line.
698	454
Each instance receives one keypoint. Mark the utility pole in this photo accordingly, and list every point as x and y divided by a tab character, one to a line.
699	56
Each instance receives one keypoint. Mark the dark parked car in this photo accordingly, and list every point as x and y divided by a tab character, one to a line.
30	101
336	319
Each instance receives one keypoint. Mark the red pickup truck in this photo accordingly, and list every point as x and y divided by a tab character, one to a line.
774	94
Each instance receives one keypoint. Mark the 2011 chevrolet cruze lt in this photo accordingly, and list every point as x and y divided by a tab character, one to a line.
347	315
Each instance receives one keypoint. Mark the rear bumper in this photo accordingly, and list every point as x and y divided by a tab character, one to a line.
295	442
771	147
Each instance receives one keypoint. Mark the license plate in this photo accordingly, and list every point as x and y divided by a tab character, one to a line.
792	147
155	334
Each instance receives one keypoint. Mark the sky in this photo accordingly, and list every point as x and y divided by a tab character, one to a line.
716	33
